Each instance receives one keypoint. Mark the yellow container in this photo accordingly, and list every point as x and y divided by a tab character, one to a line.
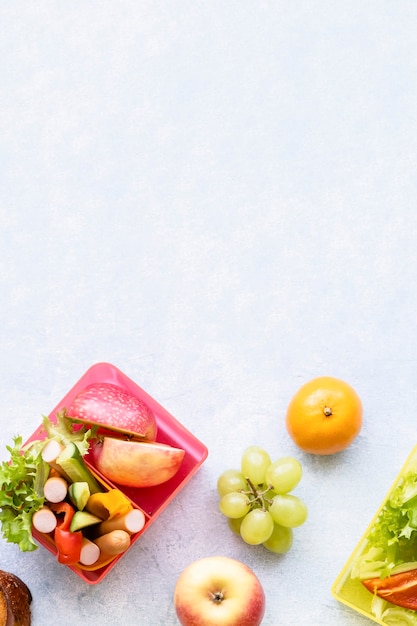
351	592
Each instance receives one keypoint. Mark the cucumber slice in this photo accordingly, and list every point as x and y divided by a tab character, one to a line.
82	519
79	492
72	464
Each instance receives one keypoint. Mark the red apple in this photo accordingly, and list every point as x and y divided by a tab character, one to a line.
114	408
135	463
219	591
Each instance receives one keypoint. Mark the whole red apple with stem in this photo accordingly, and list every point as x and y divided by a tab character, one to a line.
219	591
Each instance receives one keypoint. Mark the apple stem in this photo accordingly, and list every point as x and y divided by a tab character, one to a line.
217	597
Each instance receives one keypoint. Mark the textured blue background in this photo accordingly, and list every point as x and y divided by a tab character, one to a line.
220	199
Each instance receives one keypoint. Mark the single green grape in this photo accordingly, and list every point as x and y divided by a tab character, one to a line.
284	474
256	527
231	480
280	540
288	510
235	524
234	504
254	463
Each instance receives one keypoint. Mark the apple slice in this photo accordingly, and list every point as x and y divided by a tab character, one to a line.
135	463
114	408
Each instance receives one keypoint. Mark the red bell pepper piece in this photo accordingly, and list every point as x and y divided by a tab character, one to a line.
68	544
400	589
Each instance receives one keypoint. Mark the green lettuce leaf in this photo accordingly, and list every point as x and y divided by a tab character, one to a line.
21	494
392	541
66	430
22	478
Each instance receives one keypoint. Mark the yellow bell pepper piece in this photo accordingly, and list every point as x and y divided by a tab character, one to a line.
108	504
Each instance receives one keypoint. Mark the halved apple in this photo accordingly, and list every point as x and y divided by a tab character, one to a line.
135	463
114	408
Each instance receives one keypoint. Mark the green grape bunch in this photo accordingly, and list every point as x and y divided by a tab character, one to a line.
257	501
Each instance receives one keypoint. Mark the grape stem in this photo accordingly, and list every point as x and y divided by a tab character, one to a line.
257	497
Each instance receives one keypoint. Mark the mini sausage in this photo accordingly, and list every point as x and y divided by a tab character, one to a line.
113	543
90	552
51	450
44	520
55	489
131	522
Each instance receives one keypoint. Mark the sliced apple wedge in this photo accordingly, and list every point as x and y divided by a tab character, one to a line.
136	463
114	408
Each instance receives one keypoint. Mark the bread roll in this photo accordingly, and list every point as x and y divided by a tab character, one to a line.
15	599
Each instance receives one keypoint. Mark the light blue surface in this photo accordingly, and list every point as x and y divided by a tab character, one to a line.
220	199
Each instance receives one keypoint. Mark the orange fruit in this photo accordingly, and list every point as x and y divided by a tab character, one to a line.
324	416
